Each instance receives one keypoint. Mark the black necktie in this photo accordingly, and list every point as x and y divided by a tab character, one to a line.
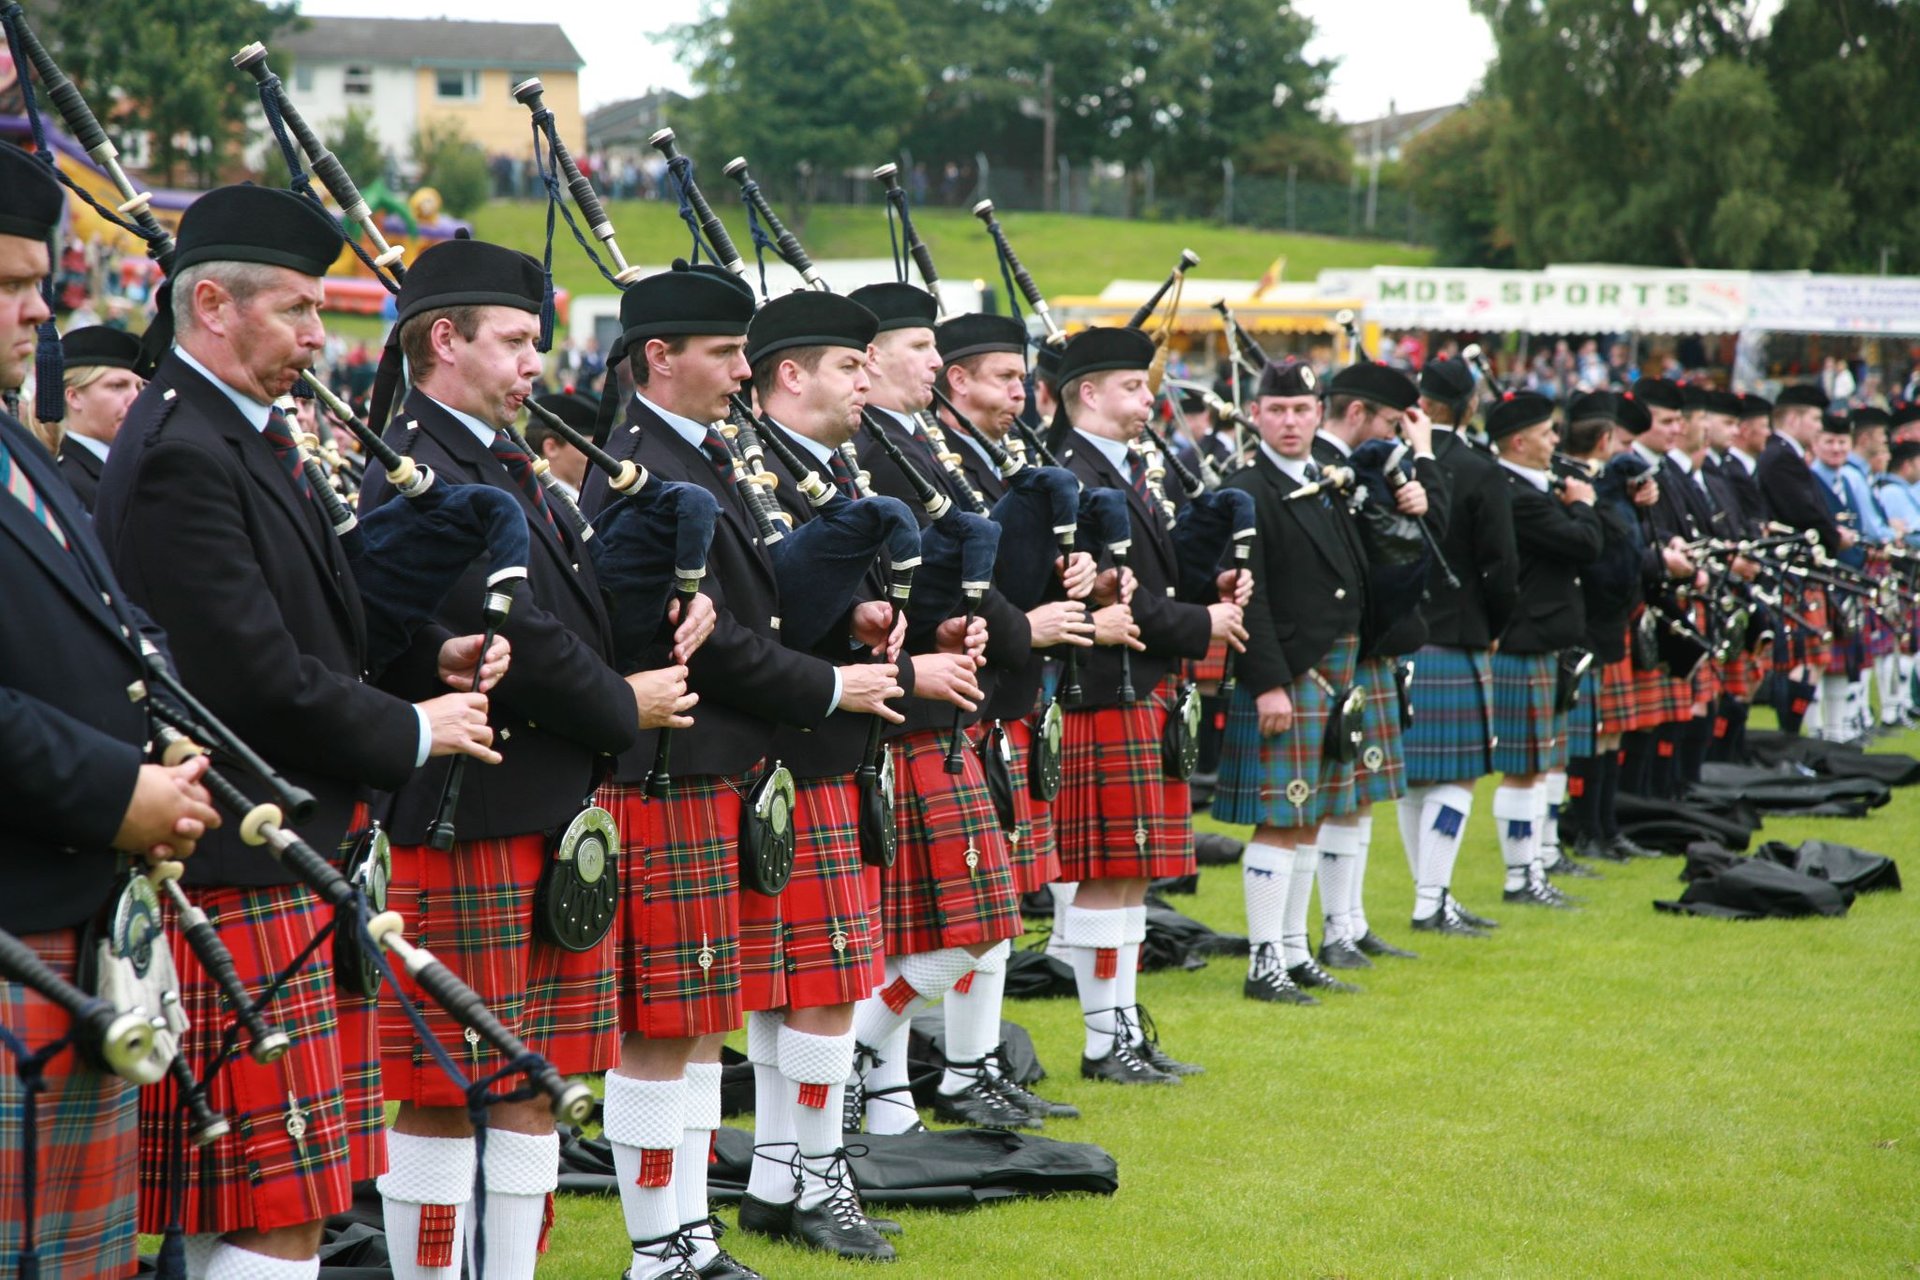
519	466
279	433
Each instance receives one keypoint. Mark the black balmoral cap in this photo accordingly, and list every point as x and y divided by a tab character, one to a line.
1447	381
99	345
572	408
1802	394
1633	416
1659	393
1591	406
472	273
701	300
1102	350
1516	411
979	334
1289	378
30	196
809	318
1376	382
1725	402
1755	407
257	224
896	305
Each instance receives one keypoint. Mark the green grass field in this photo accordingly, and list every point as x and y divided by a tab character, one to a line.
1612	1092
1067	254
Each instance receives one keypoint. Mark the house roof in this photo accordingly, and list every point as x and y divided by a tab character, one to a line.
1396	129
531	46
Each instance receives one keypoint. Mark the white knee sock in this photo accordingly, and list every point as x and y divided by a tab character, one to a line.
1515	810
1357	926
231	1262
815	1069
972	1011
646	1121
890	1106
1443	825
425	1194
696	1152
1063	891
1096	938
1407	809
1338	865
771	1177
1833	706
522	1170
1126	977
913	983
1553	794
1293	938
1266	874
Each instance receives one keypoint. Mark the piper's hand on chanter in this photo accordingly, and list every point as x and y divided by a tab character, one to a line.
1679	563
866	686
957	635
946	677
1745	569
169	810
1235	587
692	631
458	725
1077	574
1410	499
1114	625
880	627
1275	709
662	698
458	655
1645	494
1060	622
1229	624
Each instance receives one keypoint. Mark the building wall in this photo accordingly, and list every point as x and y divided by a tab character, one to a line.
318	88
493	119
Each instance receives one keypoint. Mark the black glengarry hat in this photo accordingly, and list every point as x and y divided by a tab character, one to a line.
808	318
1288	378
471	273
979	334
1377	383
1801	394
898	305
257	224
1658	393
1447	381
1104	350
1516	411
30	196
99	345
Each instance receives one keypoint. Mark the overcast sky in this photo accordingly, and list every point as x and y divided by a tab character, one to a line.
1413	53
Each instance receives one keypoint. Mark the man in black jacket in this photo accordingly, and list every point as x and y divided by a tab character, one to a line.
1368	401
1795	498
210	524
73	783
1449	746
469	315
100	387
1121	821
681	979
1557	535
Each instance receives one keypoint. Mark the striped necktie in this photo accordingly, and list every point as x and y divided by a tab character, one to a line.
1137	475
14	480
519	466
841	473
715	447
279	433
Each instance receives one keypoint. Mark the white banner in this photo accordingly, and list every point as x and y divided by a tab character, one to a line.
1836	304
1576	299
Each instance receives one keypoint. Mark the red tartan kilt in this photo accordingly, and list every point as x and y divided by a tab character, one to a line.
931	898
258	1176
1032	847
680	904
1118	816
472	906
825	941
1209	669
1651	698
1812	643
87	1136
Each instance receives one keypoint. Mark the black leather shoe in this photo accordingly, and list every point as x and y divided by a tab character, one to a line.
1565	866
1309	976
1600	850
1035	1105
1633	850
724	1266
1453	908
983	1107
1372	944
838	1224
1343	955
675	1250
762	1218
1160	1060
1536	892
1123	1066
1448	924
1267	979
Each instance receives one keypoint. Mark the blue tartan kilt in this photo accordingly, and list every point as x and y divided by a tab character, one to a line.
1451	717
1528	736
1287	780
1381	776
1584	725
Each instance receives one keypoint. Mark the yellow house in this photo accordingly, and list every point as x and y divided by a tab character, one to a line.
410	72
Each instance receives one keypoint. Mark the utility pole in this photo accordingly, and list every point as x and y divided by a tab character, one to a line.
1046	135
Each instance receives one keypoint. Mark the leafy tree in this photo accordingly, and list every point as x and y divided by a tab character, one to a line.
1453	174
453	165
803	86
982	63
356	143
166	62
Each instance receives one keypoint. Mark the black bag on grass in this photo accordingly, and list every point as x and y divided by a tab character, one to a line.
1035	975
1756	889
1834	759
1841	865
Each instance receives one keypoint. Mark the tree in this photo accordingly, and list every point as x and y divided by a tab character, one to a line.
803	86
356	144
166	60
453	165
1453	175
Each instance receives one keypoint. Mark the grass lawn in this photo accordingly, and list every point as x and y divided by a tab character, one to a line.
1611	1092
1068	254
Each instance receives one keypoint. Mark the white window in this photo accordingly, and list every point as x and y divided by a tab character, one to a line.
358	82
457	86
302	78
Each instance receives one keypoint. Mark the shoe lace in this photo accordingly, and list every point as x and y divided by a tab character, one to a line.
1267	966
843	1197
1000	1076
679	1245
985	1087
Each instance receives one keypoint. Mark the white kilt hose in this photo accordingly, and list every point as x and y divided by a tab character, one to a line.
1287	779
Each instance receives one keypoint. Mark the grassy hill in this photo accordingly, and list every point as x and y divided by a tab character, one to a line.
1067	254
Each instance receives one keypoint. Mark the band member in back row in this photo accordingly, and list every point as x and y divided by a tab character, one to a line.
469	316
948	900
1369	401
209	522
682	343
100	387
1122	818
983	362
1449	746
76	793
1557	535
1796	498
